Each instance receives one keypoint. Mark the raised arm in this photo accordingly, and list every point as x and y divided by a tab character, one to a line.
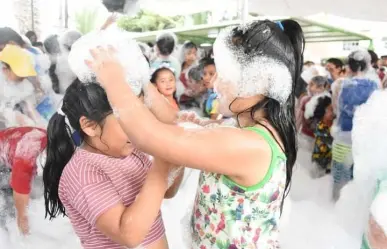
215	150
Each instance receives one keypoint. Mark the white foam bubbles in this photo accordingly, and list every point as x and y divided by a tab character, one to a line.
252	75
128	53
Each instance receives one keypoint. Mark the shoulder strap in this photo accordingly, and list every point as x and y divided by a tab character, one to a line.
269	139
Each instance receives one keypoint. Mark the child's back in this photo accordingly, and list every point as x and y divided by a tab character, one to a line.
93	183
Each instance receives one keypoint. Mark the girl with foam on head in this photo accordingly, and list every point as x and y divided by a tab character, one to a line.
103	185
245	169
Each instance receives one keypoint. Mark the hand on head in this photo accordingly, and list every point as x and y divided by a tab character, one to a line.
105	65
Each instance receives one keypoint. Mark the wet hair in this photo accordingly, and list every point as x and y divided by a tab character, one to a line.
155	75
320	81
285	43
374	59
195	73
357	66
7	35
80	100
337	62
322	104
166	44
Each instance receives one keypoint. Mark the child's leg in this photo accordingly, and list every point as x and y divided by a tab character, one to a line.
337	175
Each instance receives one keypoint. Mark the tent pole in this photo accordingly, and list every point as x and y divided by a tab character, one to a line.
245	11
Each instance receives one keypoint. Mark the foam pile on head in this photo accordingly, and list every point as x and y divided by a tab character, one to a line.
313	71
128	53
252	71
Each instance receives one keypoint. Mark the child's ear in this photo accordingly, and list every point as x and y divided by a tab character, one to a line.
90	128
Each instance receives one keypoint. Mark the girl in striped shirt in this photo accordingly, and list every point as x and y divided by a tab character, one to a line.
103	186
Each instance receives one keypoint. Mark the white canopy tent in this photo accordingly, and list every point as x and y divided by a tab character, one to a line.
374	10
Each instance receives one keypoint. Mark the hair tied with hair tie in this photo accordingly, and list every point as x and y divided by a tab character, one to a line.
279	23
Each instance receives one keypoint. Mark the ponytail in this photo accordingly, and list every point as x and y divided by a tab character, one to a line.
287	129
60	148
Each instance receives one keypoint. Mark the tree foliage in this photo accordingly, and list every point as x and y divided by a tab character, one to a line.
147	21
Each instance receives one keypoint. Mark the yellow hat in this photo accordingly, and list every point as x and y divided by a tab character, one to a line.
19	60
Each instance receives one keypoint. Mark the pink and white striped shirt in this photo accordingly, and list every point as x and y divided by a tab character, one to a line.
93	183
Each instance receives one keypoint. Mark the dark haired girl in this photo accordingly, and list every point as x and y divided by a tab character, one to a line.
104	185
246	172
165	82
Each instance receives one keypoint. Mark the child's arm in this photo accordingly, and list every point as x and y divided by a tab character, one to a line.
172	190
156	103
21	204
126	225
21	177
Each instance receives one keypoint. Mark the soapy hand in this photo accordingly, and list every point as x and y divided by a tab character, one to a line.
191	117
106	66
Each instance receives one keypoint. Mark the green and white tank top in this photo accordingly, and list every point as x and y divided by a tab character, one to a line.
229	216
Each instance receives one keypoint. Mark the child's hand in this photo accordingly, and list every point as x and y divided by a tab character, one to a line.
106	66
22	223
111	19
191	117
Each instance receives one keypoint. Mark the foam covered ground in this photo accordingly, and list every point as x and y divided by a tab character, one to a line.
310	219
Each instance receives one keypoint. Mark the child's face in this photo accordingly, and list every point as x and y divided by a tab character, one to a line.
166	82
315	89
208	72
196	86
190	56
109	138
329	116
11	76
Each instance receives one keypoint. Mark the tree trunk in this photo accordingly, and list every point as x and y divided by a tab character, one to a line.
27	15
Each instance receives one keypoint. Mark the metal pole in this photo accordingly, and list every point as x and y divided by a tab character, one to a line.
32	15
66	14
245	11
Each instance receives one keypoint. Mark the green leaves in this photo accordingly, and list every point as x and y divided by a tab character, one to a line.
147	21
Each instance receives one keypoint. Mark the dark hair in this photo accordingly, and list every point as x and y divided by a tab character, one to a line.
374	59
155	75
166	44
80	100
322	104
206	61
337	62
188	46
37	44
308	63
285	43
195	73
7	35
356	66
30	34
